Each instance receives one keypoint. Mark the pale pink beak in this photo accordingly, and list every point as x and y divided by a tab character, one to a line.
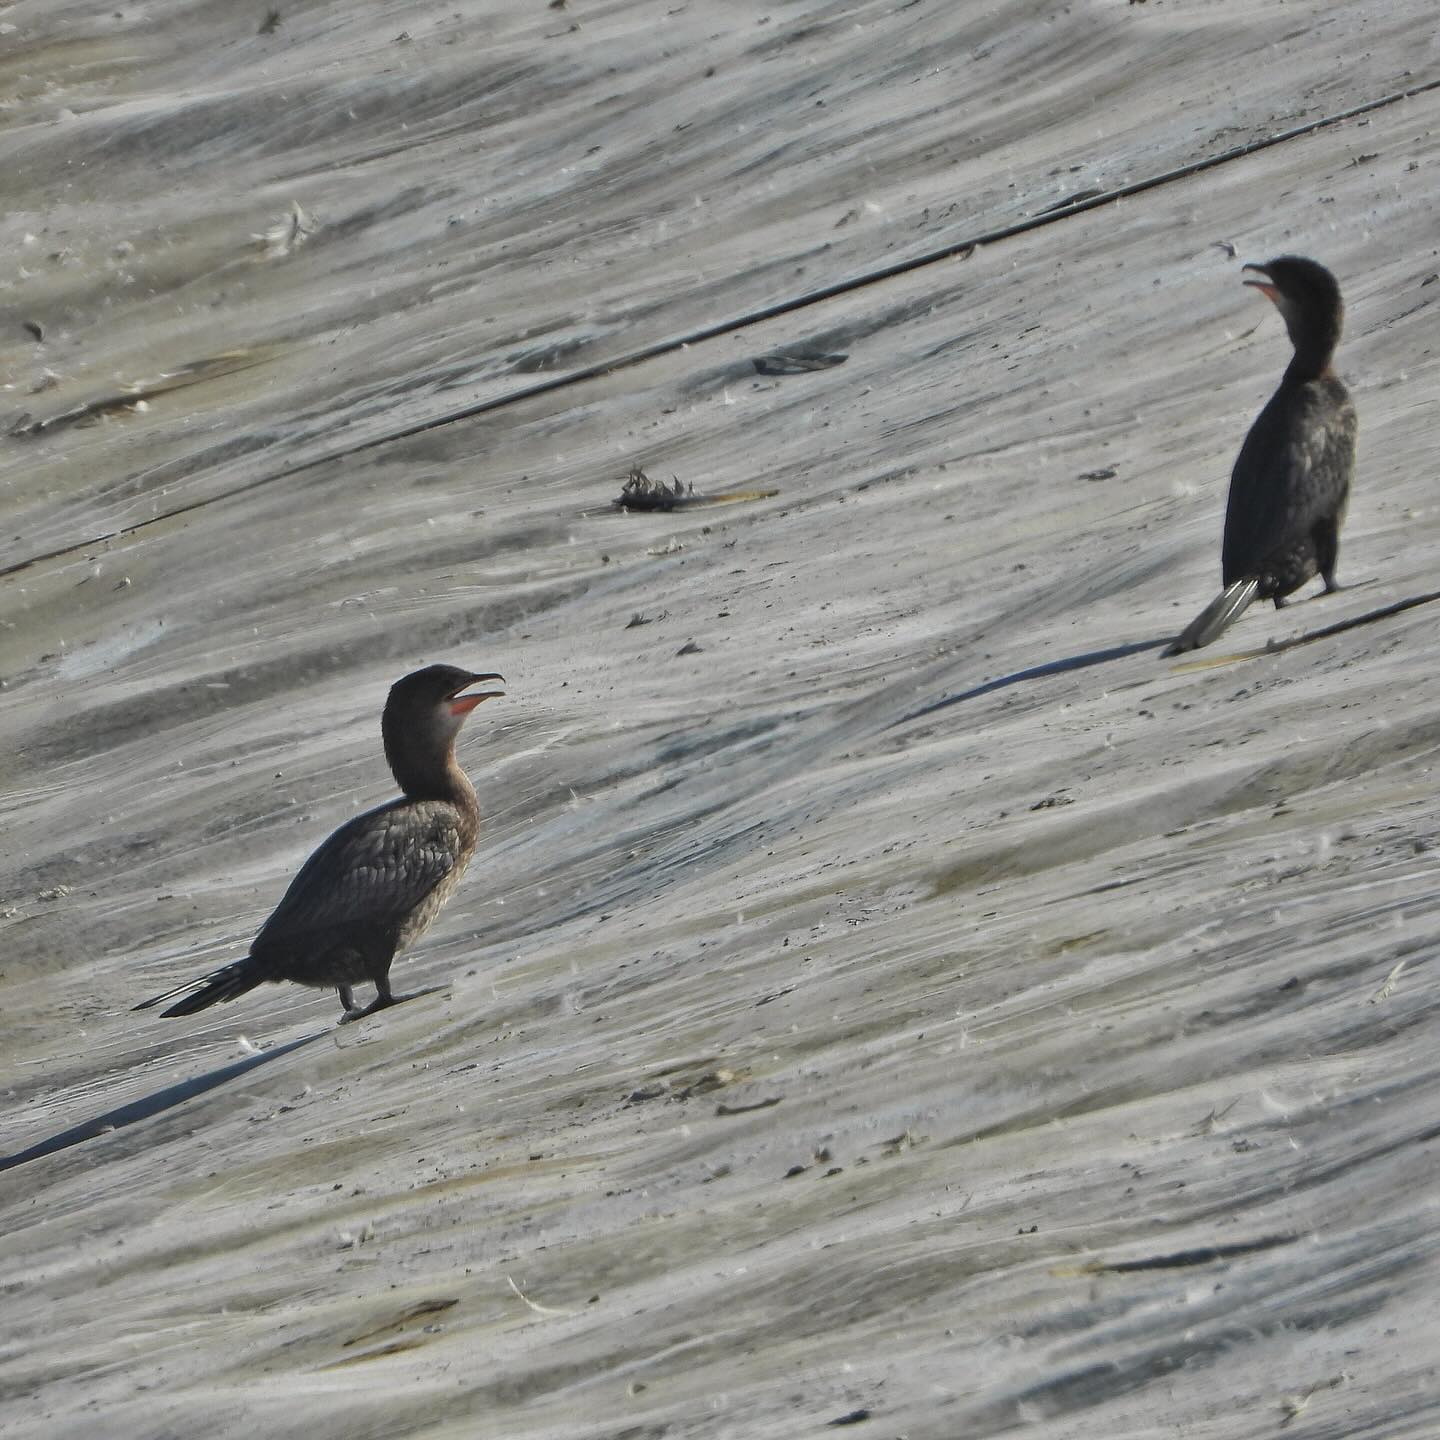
464	704
1264	285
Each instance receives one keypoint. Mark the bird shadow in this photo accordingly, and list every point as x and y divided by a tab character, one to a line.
1119	652
173	1095
154	1104
1033	672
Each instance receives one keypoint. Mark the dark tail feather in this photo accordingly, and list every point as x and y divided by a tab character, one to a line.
223	984
1226	608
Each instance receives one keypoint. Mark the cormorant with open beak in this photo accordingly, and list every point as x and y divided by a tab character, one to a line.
375	885
1291	481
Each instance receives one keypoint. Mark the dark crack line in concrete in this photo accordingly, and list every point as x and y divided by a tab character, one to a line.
774	311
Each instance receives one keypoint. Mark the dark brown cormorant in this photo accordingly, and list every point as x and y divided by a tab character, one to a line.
1292	477
376	884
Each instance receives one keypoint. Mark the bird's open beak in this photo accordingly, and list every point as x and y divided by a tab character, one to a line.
464	704
1264	284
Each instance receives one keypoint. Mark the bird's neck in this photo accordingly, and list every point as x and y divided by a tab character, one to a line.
1307	367
1314	352
434	777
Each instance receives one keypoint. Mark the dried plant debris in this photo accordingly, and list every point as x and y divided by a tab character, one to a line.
703	1084
286	233
776	995
1388	988
34	327
819	1156
723	1109
641	493
1053	802
133	398
394	1347
710	1080
796	362
271	23
404	1318
899	1144
1293	1406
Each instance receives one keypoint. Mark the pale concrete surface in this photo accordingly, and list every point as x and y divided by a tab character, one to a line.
1082	970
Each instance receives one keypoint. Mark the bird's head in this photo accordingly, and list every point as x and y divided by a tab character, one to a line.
1307	296
426	708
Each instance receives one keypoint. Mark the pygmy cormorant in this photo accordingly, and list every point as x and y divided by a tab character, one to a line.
376	884
1292	478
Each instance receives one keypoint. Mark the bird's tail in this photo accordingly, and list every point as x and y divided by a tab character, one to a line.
223	984
1226	608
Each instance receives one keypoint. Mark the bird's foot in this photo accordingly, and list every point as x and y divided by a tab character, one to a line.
382	1001
379	1002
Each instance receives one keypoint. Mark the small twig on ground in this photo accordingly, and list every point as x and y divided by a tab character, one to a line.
1295	1405
724	1109
1211	1122
1383	993
534	1305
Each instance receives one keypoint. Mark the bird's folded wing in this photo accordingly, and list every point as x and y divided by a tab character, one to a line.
374	870
1286	480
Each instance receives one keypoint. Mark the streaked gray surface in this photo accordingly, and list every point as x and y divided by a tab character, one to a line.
1102	952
